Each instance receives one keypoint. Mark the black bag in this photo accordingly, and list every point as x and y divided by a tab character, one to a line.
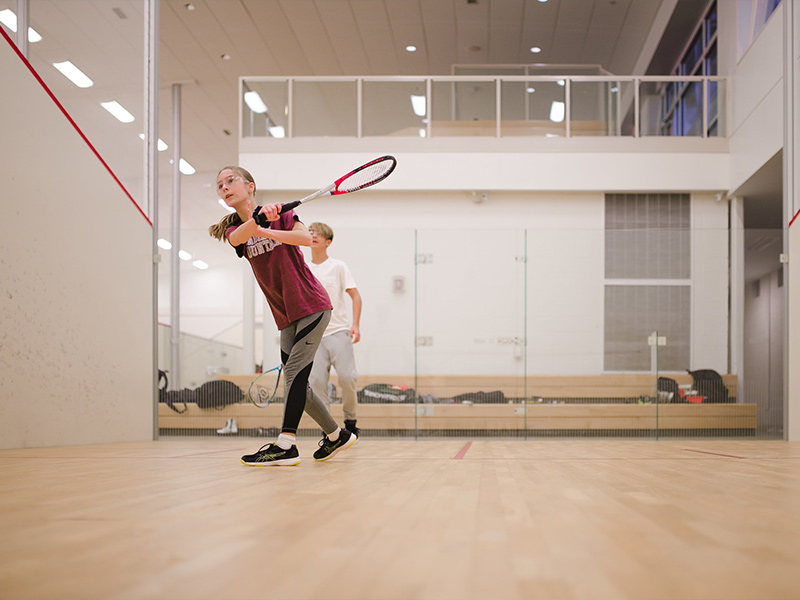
218	394
670	386
384	393
173	397
213	394
497	397
708	383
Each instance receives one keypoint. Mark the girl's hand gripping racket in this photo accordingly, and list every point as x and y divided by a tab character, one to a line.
263	389
364	176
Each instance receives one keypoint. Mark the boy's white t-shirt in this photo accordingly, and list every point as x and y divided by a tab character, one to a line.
336	278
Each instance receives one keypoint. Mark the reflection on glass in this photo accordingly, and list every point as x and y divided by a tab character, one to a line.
527	108
325	109
397	108
464	108
265	109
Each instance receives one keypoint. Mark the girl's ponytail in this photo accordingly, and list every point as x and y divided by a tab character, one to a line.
218	230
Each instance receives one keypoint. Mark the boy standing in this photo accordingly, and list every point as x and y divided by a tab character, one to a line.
336	348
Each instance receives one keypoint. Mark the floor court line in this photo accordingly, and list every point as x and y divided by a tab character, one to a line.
715	453
463	451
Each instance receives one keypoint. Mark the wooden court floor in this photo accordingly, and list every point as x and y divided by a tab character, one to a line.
181	518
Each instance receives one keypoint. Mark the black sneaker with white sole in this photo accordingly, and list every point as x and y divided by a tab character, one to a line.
328	449
270	455
350	425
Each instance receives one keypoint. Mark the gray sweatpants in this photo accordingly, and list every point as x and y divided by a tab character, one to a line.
336	350
299	343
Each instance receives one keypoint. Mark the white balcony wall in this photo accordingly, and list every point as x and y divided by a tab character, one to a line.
756	93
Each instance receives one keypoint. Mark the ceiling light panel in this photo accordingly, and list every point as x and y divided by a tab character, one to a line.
74	74
116	109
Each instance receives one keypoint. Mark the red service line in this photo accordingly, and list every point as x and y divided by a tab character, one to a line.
463	451
714	453
794	217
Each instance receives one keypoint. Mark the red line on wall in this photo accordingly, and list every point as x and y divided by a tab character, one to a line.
794	217
75	125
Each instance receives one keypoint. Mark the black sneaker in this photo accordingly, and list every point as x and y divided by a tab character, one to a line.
350	425
327	448
270	455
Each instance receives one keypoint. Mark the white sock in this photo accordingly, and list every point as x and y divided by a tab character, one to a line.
286	441
333	436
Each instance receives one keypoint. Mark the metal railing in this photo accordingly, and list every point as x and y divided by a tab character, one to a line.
482	106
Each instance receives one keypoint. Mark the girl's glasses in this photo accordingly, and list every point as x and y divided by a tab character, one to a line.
228	183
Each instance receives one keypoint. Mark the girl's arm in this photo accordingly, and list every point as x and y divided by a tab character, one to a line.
298	236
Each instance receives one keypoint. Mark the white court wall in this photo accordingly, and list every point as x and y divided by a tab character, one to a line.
793	330
76	345
710	259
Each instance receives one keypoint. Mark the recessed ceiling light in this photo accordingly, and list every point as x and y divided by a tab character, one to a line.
561	82
184	255
189	6
116	109
542	1
411	48
200	264
74	74
530	90
162	243
225	206
536	49
225	57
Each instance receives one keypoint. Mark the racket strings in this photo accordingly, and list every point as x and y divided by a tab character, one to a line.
263	389
367	176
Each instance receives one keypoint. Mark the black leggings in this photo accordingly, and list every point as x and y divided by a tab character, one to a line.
299	343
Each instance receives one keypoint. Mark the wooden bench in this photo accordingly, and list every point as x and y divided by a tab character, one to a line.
586	387
486	417
543	410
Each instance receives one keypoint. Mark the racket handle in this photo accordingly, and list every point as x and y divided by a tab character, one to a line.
261	220
289	206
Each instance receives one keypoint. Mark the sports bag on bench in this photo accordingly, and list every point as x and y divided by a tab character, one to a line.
384	393
212	394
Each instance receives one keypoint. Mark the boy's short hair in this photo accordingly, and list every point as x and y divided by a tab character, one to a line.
322	229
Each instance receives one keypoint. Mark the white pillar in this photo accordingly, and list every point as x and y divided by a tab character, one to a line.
791	205
175	262
736	362
151	41
22	27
